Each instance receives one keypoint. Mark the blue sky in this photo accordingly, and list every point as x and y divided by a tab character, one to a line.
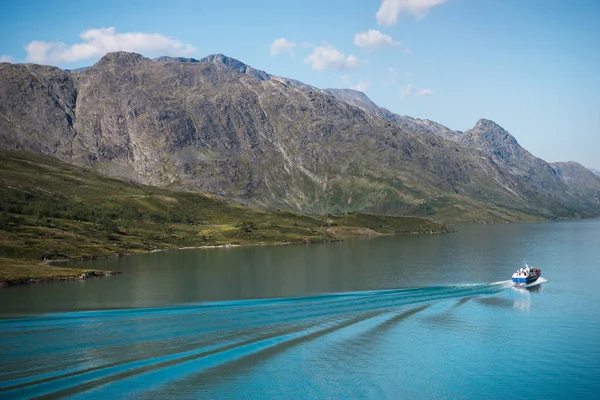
533	66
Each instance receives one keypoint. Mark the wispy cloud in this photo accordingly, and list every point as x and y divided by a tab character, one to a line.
6	58
374	39
361	86
393	77
413	90
389	10
97	42
424	92
282	45
328	57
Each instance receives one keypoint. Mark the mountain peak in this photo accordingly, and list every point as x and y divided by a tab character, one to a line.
489	131
222	60
351	92
122	58
175	59
355	98
487	124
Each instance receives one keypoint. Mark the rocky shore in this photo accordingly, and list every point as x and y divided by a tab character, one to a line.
75	277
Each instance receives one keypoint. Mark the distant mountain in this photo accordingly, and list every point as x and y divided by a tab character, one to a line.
223	61
595	171
357	99
536	175
576	175
218	126
175	59
503	148
76	70
360	100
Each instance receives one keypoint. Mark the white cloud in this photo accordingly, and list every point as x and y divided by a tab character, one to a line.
328	57
406	91
424	92
389	10
98	42
361	86
412	90
5	58
373	39
282	45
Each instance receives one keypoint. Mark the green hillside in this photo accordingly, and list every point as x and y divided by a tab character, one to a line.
50	210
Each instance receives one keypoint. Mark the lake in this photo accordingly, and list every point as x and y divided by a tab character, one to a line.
428	316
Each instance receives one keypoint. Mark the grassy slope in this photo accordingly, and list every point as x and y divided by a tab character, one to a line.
51	210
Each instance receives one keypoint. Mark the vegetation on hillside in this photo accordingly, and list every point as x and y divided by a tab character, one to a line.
50	210
217	126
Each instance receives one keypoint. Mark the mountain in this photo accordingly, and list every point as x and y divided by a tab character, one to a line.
77	69
537	177
595	171
221	61
503	148
219	126
360	100
540	177
576	175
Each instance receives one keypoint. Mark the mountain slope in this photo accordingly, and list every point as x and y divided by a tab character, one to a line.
221	127
556	187
360	100
569	183
577	176
53	210
221	60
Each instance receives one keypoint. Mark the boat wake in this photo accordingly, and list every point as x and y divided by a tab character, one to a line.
101	353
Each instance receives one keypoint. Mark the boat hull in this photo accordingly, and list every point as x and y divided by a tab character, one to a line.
524	280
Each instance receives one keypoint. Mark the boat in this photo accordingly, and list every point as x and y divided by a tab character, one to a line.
526	275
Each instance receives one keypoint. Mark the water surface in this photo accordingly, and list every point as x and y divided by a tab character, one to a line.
391	317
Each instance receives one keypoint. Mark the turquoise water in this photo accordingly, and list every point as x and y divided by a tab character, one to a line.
393	317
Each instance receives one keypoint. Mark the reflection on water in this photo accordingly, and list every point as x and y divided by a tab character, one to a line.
179	277
525	292
393	317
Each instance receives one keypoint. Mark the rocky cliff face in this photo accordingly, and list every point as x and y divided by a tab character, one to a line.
219	126
37	109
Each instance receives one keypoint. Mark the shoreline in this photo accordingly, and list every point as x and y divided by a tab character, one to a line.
81	275
75	277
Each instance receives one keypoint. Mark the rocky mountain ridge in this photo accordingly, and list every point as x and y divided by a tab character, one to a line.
494	141
219	126
360	100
